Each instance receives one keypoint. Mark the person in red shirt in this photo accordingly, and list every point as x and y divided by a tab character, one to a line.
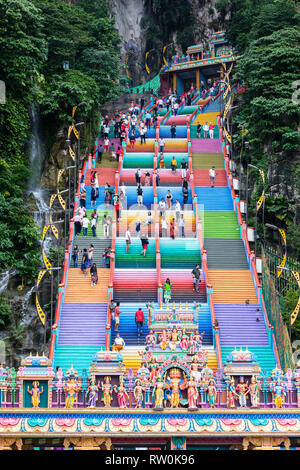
139	320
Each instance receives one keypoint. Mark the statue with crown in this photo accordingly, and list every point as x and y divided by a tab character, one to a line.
71	387
174	384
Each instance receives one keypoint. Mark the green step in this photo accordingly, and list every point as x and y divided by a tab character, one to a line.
194	132
265	356
220	224
134	259
81	357
179	254
99	229
207	160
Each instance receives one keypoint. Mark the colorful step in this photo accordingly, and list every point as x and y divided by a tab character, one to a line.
232	286
79	287
241	325
224	253
214	199
135	286
220	224
82	324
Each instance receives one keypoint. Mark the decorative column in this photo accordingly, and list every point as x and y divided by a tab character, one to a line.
198	79
174	81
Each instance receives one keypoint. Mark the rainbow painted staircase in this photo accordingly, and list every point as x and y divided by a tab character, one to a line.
231	306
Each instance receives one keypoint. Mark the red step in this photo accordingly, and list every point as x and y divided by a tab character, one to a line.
105	175
201	178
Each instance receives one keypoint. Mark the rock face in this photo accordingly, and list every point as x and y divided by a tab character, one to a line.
54	162
129	15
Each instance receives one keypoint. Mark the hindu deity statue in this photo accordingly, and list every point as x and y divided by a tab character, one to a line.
143	374
279	391
211	394
195	372
107	390
192	392
35	393
174	339
198	338
151	339
158	391
122	394
163	340
254	389
184	341
231	393
191	345
71	388
149	306
138	393
242	390
174	384
92	393
153	366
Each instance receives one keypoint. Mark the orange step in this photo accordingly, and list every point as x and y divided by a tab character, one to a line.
105	175
232	286
79	288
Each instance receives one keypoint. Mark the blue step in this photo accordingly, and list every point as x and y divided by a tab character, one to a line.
214	199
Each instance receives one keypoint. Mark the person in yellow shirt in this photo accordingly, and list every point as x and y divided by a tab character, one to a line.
173	165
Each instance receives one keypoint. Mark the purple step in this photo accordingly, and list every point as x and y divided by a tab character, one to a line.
82	324
206	146
239	326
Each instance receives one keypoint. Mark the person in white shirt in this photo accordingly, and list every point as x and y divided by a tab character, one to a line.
128	240
181	225
160	103
85	225
161	143
212	175
177	210
143	131
119	343
205	130
176	105
183	168
106	130
162	206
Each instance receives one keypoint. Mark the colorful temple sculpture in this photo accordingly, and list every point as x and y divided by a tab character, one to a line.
202	370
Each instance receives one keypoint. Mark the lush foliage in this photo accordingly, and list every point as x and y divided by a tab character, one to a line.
36	37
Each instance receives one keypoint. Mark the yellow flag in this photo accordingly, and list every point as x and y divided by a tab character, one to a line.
72	154
46	261
226	108
52	199
40	311
164	59
73	112
76	132
59	175
146	65
228	136
260	201
294	314
40	277
62	202
45	230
